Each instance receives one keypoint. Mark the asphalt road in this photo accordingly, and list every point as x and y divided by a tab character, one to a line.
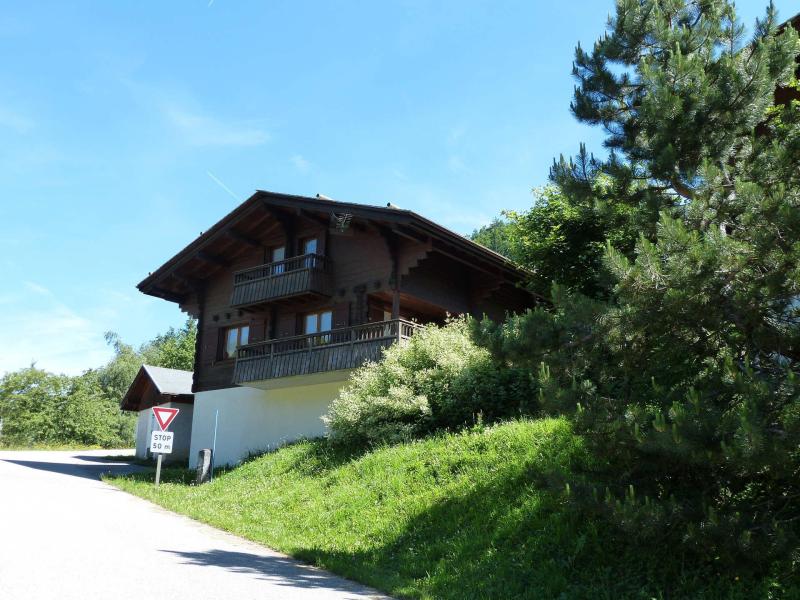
66	535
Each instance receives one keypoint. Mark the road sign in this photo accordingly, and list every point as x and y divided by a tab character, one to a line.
165	416
161	442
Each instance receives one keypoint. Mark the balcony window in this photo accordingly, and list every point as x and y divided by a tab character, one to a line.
278	254
234	337
318	322
310	247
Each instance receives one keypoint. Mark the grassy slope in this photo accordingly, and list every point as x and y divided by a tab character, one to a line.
454	516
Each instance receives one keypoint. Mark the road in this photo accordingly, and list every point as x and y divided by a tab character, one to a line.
65	535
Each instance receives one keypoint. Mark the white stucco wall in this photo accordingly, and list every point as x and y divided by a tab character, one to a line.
253	420
181	426
144	425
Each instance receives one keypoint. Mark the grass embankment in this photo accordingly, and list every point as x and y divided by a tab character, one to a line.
461	516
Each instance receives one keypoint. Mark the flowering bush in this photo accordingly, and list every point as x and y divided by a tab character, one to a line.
439	380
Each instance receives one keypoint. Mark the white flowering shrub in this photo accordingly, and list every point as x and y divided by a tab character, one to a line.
439	379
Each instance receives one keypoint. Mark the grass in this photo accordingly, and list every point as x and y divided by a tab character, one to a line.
469	515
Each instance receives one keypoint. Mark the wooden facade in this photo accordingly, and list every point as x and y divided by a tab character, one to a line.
372	273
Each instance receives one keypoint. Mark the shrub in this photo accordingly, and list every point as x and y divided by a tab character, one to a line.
41	408
439	380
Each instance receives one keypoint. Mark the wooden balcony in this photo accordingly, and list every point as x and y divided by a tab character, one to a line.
308	274
333	350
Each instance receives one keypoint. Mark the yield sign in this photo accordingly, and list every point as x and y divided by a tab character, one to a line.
164	416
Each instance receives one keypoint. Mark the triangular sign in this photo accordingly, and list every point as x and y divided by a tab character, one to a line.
164	416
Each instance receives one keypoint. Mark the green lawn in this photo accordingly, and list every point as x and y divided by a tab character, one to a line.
470	515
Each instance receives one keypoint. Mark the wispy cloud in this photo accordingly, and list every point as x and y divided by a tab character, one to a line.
455	164
36	288
37	325
455	135
300	163
204	130
436	203
10	119
193	123
39	328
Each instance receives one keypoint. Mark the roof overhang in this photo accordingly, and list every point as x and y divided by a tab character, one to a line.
243	227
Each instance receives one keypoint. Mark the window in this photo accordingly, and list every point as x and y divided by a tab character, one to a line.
278	254
310	247
234	337
317	323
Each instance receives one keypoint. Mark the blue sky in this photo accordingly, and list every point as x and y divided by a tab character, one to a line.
127	128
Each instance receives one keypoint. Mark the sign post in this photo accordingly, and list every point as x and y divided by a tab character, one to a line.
161	441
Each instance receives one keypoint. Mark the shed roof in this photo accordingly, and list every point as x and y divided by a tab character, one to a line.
157	385
170	381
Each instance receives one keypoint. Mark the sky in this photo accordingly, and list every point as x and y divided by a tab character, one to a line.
127	128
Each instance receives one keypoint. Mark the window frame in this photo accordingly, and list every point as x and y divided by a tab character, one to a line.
305	241
318	337
277	269
223	340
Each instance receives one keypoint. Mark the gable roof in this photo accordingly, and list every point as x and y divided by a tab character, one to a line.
169	381
400	221
156	385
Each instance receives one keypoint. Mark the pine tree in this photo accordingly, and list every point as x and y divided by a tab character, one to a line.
687	382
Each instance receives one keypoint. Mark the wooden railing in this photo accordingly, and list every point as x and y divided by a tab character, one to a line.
332	350
308	273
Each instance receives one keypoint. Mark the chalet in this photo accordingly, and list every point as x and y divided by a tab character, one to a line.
291	293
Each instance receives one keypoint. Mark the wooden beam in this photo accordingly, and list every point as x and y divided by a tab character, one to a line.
166	294
245	239
411	234
213	259
193	283
390	237
287	223
470	262
312	217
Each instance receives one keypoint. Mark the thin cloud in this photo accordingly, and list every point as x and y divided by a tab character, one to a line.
455	135
192	123
54	336
203	130
36	288
455	164
300	163
20	123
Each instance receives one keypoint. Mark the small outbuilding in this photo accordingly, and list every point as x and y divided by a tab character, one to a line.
171	388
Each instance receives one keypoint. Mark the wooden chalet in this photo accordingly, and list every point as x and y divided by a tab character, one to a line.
288	285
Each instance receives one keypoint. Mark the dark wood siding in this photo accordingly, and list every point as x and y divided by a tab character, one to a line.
361	288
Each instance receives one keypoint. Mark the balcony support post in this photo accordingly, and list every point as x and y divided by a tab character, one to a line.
393	246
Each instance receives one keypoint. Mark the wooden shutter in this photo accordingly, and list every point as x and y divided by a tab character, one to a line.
341	315
258	330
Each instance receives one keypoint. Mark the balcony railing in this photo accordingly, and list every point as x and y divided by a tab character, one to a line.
306	274
332	350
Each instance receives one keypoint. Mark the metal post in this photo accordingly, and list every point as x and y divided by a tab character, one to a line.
158	469
214	445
